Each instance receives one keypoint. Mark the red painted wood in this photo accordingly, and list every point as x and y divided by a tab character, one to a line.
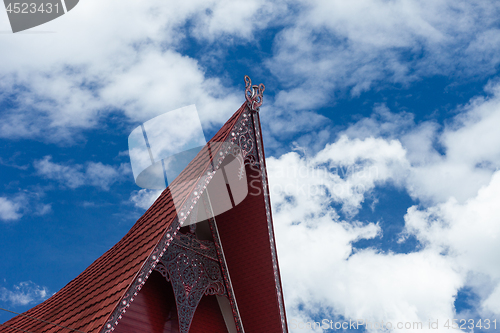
153	309
244	236
208	317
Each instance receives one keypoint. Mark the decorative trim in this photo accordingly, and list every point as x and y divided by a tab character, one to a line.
243	142
139	280
277	278
193	269
225	269
241	133
253	94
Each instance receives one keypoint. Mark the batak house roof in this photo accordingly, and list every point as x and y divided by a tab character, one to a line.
97	299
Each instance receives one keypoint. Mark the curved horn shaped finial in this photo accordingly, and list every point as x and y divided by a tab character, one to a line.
253	94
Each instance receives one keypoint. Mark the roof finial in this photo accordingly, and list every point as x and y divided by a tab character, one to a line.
253	94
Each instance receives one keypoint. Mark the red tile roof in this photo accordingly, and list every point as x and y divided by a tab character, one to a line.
96	300
86	302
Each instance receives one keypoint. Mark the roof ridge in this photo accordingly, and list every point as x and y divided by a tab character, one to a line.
228	125
71	306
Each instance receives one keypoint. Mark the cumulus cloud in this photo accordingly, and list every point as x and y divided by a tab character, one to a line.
451	160
14	207
127	64
323	275
76	175
456	223
468	233
9	209
144	198
224	18
471	155
344	172
24	293
336	46
131	63
330	49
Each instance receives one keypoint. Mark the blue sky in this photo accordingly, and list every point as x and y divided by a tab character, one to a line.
380	122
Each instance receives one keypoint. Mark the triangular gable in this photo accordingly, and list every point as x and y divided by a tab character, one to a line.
97	299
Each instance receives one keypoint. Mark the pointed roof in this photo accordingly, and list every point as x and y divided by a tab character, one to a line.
96	300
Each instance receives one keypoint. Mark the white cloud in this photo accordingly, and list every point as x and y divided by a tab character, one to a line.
24	293
473	137
15	206
335	46
468	233
322	274
42	209
492	303
10	210
343	171
454	160
73	176
225	18
329	49
456	225
471	154
129	63
123	63
144	198
281	124
103	176
163	81
382	122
